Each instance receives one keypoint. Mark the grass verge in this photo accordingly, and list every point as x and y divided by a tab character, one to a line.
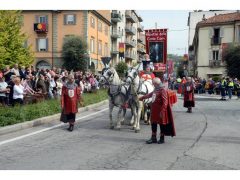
18	114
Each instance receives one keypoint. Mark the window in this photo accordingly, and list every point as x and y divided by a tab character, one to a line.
92	45
239	34
42	19
215	55
106	49
69	19
42	45
99	26
92	22
106	30
100	47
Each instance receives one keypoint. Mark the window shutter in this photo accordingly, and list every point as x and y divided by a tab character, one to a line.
65	19
210	55
221	32
210	32
220	54
37	19
47	44
37	49
74	19
46	19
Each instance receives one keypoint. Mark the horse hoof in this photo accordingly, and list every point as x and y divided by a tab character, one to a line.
118	128
137	130
111	127
133	128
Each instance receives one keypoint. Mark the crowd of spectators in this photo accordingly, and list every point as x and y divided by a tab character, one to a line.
23	84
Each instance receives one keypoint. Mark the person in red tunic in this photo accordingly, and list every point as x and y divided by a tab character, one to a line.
69	101
188	89
161	113
180	88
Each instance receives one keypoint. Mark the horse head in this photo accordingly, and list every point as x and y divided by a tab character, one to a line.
131	75
108	76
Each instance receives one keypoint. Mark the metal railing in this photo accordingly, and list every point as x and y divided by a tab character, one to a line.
216	40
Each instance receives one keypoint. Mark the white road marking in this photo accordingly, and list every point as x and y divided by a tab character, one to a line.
47	129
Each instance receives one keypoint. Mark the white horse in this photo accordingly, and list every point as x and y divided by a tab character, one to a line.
141	88
118	95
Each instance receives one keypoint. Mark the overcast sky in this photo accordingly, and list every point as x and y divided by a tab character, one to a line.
175	21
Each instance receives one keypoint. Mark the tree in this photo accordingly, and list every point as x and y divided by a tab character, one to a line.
121	68
232	58
75	53
12	40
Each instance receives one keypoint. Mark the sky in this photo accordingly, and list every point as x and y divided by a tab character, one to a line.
175	22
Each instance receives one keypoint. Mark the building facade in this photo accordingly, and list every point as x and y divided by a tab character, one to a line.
194	18
212	36
117	35
46	31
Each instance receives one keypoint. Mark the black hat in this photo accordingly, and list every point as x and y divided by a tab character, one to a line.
146	64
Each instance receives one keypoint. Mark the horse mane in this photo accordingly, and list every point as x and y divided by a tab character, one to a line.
116	79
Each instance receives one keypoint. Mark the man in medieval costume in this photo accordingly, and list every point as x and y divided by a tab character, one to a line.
161	113
188	90
69	100
146	74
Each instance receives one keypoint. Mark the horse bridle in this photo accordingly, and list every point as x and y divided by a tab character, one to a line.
112	74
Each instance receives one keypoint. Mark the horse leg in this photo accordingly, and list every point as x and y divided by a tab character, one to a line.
133	110
137	122
123	116
119	119
110	115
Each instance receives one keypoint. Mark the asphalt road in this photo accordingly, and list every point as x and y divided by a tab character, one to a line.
209	138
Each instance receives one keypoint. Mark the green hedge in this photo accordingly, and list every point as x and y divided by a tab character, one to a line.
18	114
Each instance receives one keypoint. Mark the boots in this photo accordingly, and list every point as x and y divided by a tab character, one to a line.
152	140
161	141
70	127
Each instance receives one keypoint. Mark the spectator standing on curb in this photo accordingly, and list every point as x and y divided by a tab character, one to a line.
230	88
18	91
223	88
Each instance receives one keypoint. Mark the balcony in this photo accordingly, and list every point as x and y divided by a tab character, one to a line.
114	51
141	50
130	43
40	27
140	28
116	34
116	17
140	19
215	41
129	16
130	29
129	55
215	63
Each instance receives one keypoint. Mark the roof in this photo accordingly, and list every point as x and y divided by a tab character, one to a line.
221	19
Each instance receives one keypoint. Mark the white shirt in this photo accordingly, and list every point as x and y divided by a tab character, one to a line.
3	86
18	91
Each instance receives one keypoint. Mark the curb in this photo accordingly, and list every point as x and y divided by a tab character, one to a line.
44	120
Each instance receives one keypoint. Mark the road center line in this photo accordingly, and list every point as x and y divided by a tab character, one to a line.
47	129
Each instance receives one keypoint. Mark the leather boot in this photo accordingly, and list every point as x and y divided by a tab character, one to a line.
161	141
70	127
152	140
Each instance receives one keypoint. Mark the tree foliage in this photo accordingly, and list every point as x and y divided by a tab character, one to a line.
75	53
121	68
12	40
232	58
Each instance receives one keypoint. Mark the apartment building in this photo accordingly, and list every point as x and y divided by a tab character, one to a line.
117	35
141	49
211	38
195	17
46	31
